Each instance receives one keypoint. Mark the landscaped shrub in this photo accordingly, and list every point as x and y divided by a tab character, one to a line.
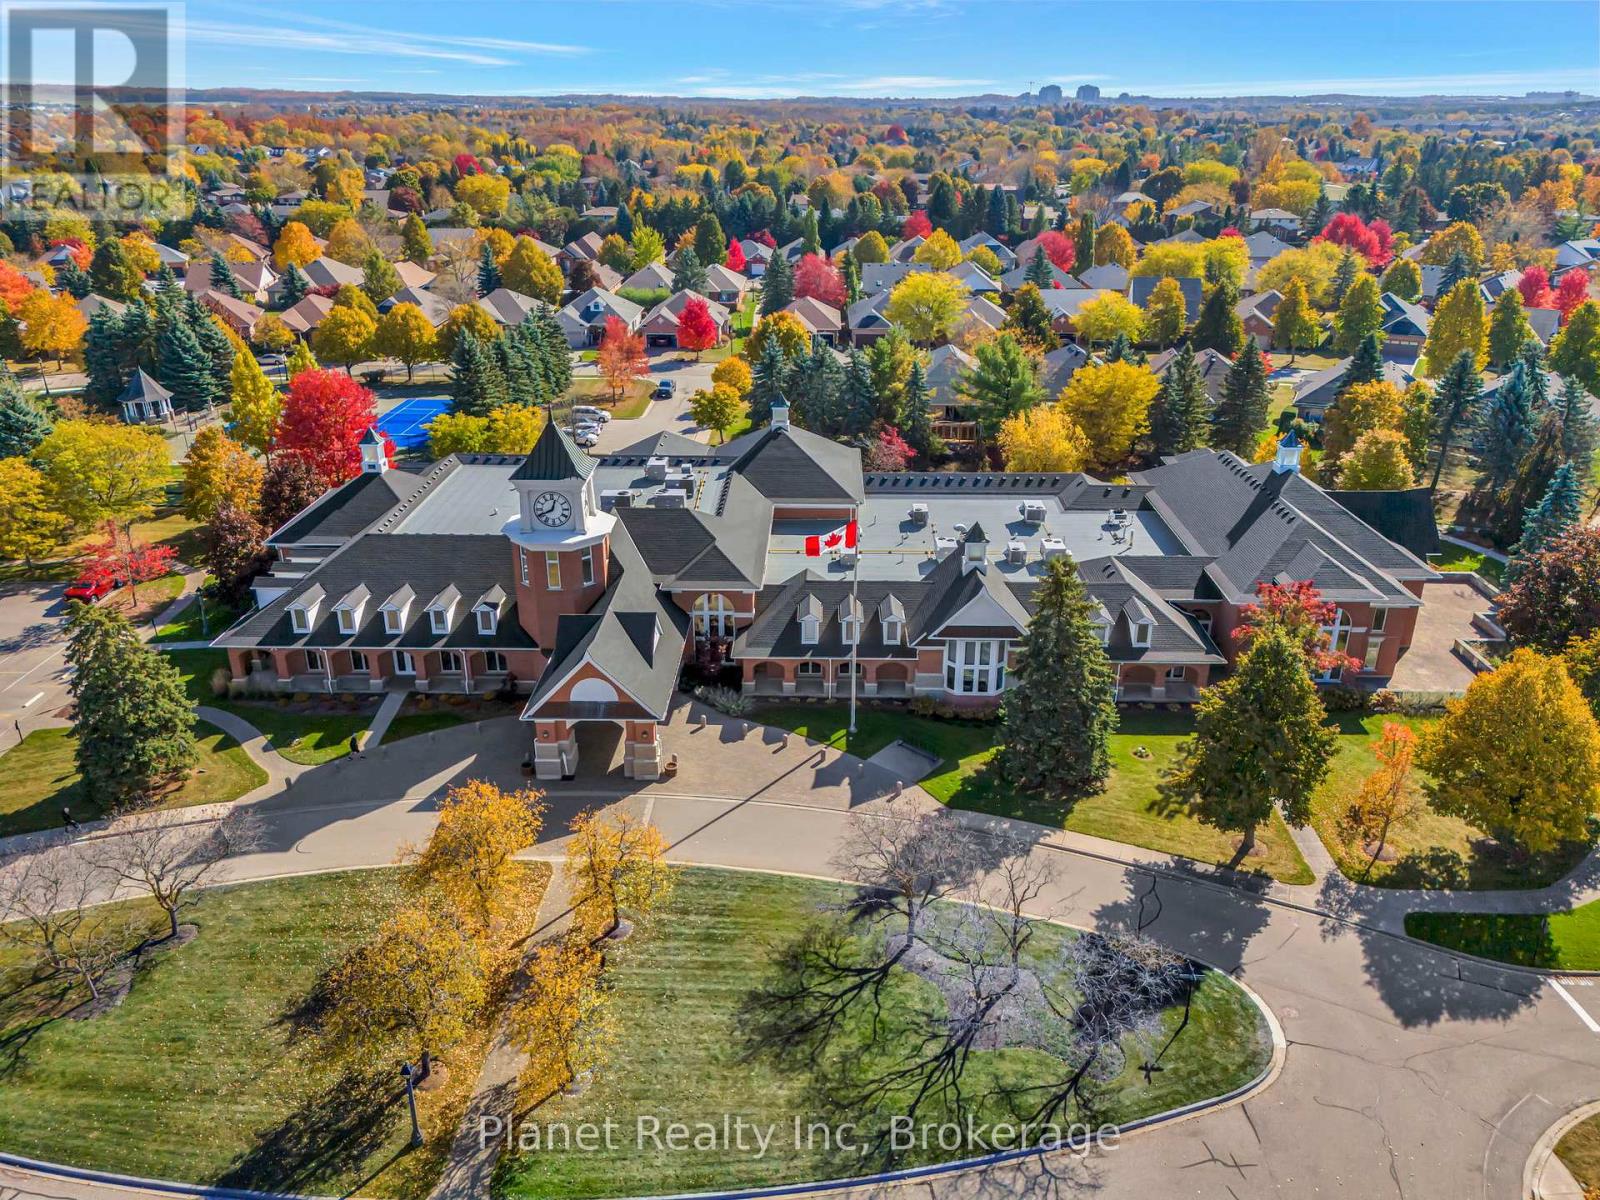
724	700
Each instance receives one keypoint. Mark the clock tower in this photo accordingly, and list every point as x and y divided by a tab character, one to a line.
560	540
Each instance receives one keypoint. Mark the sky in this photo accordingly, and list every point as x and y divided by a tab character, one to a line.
899	48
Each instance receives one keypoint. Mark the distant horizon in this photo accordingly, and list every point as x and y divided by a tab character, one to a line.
921	50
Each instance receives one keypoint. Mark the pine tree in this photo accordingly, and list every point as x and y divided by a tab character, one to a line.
860	398
1579	432
216	345
488	270
22	426
852	280
1559	510
477	385
710	243
1120	349
379	280
183	367
1180	413
1242	412
1344	275
1458	268
690	273
1060	711
296	287
519	366
1083	242
73	279
104	360
1038	272
1531	355
1508	428
767	381
816	392
1366	365
1534	473
554	357
134	725
777	286
1218	327
1360	315
1455	405
222	277
916	421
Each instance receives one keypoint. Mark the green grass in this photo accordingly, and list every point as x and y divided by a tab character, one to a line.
307	738
1429	850
1566	941
1579	1149
1459	558
594	390
1129	810
678	989
42	778
203	1075
188	627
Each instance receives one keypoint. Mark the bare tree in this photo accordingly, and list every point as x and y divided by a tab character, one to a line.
906	858
171	862
47	901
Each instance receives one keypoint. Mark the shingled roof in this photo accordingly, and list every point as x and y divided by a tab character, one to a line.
555	456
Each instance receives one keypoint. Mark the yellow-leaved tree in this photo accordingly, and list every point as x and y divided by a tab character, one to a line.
1458	324
1110	403
218	471
97	472
927	306
563	1018
1518	756
615	862
406	334
256	403
467	860
1387	797
1043	438
295	246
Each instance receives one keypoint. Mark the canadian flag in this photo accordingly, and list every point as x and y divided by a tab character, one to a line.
843	537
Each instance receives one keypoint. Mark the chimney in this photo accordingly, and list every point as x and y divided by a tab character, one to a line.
780	413
1288	458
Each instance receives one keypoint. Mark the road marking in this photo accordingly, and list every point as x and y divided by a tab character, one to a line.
31	699
1583	1013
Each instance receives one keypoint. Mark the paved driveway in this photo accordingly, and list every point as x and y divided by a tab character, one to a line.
662	415
33	673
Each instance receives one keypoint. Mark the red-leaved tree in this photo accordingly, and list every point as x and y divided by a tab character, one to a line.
1572	291
818	278
889	451
1057	248
1535	288
696	330
764	237
1374	242
468	164
917	225
621	356
324	415
1232	231
736	260
14	286
116	560
1299	608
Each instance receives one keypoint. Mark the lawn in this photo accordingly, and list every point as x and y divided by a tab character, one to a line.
1566	941
307	738
595	390
678	989
411	724
1459	558
1580	1151
1129	810
1429	850
43	779
189	627
202	1074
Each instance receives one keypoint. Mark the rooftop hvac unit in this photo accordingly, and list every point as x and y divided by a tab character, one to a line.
668	499
1016	553
656	468
918	514
943	545
1053	547
1033	512
613	498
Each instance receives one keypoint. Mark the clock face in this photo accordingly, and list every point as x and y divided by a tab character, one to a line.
552	509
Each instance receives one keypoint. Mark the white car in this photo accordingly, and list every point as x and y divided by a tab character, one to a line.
585	438
587	413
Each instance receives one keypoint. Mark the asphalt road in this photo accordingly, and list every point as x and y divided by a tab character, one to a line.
662	415
33	672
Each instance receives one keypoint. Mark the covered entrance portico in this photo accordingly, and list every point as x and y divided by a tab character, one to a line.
564	746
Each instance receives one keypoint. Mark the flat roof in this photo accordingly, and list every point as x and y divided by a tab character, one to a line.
474	498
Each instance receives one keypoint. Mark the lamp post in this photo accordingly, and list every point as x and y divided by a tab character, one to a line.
409	1074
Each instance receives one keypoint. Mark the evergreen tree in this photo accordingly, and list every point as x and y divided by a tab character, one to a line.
22	426
1560	509
1531	355
1038	272
710	243
554	358
767	380
860	398
477	385
1218	327
1458	268
415	243
1242	412
1029	319
1360	315
215	344
916	421
520	367
1259	744
296	287
1321	212
690	274
1121	349
104	361
1508	429
1455	405
777	286
134	724
625	223
1060	711
1508	328
1534	473
222	277
816	392
852	280
1083	242
488	270
1579	433
1344	276
73	279
1366	365
183	367
111	273
1294	324
1180	413
994	221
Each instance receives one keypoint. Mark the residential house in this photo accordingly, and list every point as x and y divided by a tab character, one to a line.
1315	394
1000	250
413	275
1581	252
1018	275
904	251
1193	291
328	272
976	280
822	321
1405	329
726	287
866	321
1213	367
507	307
649	278
434	306
1545	323
1064	304
881	277
239	315
1276	220
583	320
309	312
756	257
1263	247
1107	277
1256	312
660	324
583	249
1056	367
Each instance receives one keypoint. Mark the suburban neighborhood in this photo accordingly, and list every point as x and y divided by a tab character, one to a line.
764	632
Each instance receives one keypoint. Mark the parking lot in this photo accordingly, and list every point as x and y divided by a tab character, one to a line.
33	672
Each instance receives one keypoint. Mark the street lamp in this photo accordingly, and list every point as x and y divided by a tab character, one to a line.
409	1074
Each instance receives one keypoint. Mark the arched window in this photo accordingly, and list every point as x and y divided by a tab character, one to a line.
1338	635
713	616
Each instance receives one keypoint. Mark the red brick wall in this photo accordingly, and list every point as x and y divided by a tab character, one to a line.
539	607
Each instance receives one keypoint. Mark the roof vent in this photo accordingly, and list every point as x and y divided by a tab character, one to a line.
942	546
1033	511
668	499
614	498
918	514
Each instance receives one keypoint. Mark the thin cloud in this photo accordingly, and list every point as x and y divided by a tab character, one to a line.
1378	85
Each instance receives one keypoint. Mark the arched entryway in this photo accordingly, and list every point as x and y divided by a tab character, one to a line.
767	679
894	681
713	616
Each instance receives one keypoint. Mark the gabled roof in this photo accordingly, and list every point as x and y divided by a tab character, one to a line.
1193	290
506	306
650	277
790	465
1109	276
554	456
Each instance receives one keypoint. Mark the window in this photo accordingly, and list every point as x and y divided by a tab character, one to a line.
1338	635
1104	630
450	662
1141	632
1380	620
1177	674
347	620
358	662
404	664
850	631
488	620
974	668
891	633
588	566
1202	619
810	628
494	662
1370	661
847	669
300	620
552	570
391	620
522	563
808	668
713	616
439	620
315	661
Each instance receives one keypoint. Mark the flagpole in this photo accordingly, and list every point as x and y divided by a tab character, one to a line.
861	625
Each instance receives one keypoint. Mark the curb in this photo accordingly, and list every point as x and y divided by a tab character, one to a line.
135	1183
1545	1147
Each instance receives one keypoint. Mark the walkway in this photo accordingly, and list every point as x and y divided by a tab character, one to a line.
1410	1071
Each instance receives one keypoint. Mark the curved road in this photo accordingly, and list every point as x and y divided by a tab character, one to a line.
1409	1072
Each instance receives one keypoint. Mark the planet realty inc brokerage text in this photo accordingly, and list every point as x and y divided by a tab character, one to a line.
757	1139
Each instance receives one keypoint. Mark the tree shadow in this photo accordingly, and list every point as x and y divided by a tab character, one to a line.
1209	914
330	1135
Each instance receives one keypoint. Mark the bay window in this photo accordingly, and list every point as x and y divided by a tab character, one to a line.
974	667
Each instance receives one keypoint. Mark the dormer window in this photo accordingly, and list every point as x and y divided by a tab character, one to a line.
850	630
442	610
810	629
350	609
1141	633
347	620
303	612
300	618
393	620
488	620
439	620
891	632
396	609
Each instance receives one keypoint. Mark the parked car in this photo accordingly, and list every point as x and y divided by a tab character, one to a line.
90	590
587	412
586	438
666	389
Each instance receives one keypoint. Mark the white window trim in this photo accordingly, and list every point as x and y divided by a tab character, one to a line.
488	620
810	631
587	560
405	663
445	658
495	663
394	621
360	664
963	664
300	620
891	633
1380	620
522	563
439	620
316	660
347	620
552	563
850	631
1142	633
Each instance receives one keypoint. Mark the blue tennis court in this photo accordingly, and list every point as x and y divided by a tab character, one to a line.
406	424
